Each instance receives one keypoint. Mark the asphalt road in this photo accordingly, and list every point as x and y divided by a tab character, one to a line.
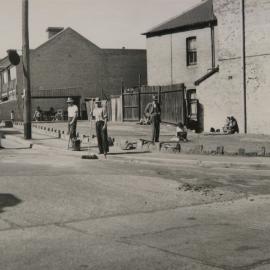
58	211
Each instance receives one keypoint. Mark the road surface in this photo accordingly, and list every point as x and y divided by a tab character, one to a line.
58	211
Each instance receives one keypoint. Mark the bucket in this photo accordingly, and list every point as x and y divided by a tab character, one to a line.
76	145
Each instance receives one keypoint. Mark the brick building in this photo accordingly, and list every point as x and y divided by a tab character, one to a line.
68	64
203	49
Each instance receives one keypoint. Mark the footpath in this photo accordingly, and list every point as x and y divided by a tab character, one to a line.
250	145
53	139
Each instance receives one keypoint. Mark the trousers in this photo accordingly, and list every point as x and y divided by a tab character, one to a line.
102	137
72	129
155	128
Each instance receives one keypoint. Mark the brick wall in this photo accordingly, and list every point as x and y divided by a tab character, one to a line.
70	61
166	58
67	61
124	65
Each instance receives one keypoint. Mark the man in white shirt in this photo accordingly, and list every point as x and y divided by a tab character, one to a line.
99	114
72	118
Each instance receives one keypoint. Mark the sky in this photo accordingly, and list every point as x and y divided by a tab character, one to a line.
107	23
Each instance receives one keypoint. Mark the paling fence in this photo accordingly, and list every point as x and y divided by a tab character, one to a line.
171	98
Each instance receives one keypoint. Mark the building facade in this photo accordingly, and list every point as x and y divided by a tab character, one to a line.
70	65
227	86
203	48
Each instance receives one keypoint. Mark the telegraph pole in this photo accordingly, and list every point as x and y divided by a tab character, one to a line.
244	63
27	111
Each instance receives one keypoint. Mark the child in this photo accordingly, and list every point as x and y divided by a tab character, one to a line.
181	132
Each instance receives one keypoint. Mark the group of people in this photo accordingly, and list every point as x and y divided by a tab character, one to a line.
231	125
40	115
99	115
151	112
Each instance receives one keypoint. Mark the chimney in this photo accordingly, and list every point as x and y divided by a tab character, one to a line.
52	31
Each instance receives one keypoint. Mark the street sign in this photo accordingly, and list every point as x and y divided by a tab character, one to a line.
13	57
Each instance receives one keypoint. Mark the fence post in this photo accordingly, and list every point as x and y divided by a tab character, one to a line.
139	103
123	100
139	96
159	94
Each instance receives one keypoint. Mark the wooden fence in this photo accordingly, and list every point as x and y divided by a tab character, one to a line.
171	98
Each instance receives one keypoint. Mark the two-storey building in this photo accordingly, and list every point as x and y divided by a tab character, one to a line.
204	48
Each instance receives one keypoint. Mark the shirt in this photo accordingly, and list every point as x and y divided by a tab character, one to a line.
153	110
178	129
72	111
99	114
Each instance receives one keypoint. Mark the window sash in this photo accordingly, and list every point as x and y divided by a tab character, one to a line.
192	58
191	51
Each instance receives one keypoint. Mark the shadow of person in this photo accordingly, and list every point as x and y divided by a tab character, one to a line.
8	200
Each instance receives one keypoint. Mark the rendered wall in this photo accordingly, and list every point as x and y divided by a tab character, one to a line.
166	58
222	95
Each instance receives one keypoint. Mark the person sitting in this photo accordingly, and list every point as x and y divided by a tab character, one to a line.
181	132
233	126
227	125
37	114
52	114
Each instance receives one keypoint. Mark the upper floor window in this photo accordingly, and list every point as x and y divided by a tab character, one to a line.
191	51
13	74
5	77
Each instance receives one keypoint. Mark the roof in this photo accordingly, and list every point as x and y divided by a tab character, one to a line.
59	34
123	51
197	17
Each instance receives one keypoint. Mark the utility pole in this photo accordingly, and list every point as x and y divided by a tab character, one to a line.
27	111
244	62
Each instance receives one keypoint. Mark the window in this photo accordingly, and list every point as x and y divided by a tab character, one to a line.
5	77
191	51
13	74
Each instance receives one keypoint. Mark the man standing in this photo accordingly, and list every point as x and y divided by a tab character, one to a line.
153	111
72	118
100	116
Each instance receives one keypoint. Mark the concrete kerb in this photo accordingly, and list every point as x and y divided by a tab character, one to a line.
183	161
44	129
193	162
167	147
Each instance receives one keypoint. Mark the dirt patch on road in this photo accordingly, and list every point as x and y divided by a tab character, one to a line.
204	188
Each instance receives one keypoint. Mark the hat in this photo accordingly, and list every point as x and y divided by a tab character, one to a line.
97	100
155	97
70	100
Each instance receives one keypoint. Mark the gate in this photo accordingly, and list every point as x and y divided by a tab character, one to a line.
131	104
171	98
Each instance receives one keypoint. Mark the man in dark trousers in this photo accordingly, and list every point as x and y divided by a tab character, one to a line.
99	114
153	111
72	119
